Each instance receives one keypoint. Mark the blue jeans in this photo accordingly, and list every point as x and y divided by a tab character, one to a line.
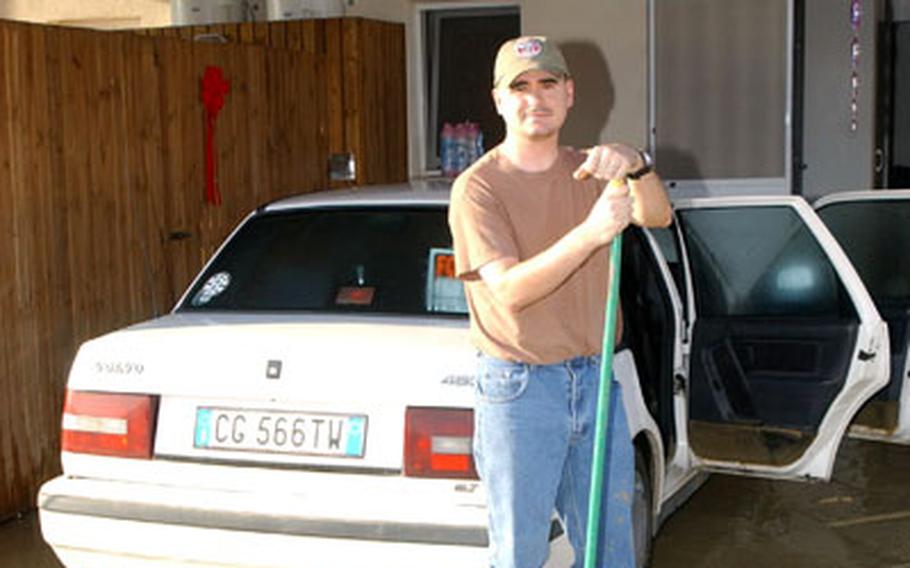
533	446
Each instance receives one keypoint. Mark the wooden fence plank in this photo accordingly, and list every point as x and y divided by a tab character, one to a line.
352	95
310	31
176	229
11	366
261	34
246	34
335	76
141	139
277	37
40	345
294	35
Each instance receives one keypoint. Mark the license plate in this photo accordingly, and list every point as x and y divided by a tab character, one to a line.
280	432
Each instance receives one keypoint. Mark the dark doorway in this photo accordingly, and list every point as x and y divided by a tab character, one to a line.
460	47
892	155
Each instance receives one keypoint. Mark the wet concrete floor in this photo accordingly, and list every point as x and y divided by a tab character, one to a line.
21	545
859	520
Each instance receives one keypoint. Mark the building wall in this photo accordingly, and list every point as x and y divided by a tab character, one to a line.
100	14
837	159
606	47
606	44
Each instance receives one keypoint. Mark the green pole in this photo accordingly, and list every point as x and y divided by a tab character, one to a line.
603	406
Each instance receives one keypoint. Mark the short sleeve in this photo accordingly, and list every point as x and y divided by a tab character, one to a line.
481	231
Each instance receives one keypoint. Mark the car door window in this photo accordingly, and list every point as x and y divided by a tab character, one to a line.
875	234
763	262
876	237
773	336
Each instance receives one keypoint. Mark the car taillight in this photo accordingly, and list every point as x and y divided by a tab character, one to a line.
438	443
109	424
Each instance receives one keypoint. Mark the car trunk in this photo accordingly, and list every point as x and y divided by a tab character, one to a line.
284	378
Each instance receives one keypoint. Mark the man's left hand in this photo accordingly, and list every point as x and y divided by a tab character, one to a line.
609	161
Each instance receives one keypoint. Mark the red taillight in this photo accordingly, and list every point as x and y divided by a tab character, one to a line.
109	424
438	443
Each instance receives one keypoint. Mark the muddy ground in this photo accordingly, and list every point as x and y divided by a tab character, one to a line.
859	520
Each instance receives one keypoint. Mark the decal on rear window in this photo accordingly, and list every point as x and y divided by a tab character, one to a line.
445	293
214	286
355	296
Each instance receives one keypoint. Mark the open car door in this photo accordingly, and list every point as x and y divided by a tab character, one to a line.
873	228
786	343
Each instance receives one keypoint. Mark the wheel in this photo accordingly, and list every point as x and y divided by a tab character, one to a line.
641	511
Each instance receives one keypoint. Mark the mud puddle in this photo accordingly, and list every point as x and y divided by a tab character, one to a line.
860	519
21	545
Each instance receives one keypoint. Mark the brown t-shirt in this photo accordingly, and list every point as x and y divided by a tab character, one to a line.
499	211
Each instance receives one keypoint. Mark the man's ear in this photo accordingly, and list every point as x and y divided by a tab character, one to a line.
570	91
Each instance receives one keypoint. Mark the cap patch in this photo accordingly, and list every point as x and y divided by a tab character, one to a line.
529	48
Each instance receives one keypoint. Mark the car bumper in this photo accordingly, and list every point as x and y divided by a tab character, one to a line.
121	524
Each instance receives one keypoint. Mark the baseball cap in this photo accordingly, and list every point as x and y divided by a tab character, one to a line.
524	54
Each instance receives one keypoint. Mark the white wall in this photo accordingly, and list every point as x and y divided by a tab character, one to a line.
837	159
101	14
606	45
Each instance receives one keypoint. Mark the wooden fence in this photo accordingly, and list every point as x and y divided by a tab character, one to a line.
102	214
366	81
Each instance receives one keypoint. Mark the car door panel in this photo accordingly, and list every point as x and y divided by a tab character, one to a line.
873	227
764	374
781	319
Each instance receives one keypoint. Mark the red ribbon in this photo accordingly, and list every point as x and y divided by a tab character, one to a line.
214	88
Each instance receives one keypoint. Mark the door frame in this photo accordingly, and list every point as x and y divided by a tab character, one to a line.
422	103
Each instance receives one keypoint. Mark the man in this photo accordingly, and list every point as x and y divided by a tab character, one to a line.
531	221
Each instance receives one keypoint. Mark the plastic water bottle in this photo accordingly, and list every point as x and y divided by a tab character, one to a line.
447	150
461	147
470	142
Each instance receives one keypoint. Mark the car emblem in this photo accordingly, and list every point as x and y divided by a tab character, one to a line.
273	370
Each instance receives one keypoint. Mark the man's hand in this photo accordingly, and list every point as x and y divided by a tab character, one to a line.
609	161
611	213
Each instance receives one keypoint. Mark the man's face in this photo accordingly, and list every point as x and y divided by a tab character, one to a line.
535	104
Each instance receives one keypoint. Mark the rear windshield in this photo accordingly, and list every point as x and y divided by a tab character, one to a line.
380	259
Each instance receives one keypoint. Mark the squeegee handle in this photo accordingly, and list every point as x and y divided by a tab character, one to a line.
603	403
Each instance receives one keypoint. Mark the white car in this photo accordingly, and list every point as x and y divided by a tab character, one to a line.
308	401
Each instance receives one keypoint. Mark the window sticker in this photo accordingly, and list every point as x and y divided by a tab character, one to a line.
445	293
355	296
214	286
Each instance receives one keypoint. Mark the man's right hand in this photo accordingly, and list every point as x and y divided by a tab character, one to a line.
611	213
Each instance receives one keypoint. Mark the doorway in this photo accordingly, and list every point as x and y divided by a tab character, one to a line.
460	46
892	155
